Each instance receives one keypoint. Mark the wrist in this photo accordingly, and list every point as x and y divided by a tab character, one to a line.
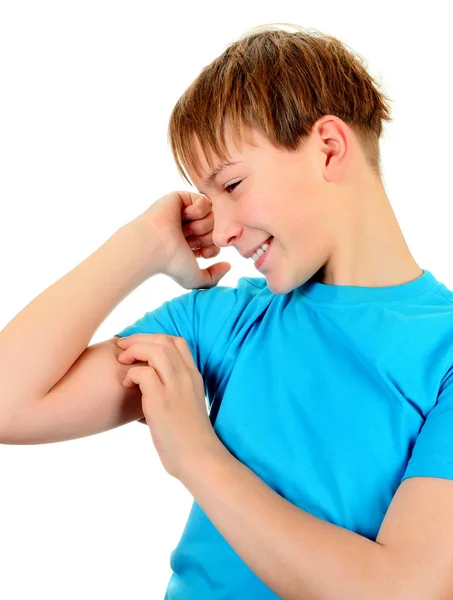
139	252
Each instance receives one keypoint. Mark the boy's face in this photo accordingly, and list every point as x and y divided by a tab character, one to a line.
282	194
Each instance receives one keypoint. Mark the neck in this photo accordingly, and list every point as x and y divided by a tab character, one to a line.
368	247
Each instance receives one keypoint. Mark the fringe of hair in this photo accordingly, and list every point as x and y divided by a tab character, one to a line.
280	83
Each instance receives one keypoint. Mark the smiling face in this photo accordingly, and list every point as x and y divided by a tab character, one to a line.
273	192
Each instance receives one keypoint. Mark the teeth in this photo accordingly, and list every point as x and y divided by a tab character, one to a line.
261	250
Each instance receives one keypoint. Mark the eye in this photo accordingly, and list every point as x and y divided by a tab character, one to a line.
233	186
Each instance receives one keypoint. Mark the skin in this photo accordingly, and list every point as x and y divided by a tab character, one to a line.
329	214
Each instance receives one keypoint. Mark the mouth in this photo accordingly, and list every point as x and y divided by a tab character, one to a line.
262	255
260	252
249	254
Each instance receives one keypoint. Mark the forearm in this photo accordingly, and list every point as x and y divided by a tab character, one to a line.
43	341
296	554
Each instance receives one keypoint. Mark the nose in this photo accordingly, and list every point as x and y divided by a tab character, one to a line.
224	235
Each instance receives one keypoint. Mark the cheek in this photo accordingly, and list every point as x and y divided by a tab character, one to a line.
289	216
299	228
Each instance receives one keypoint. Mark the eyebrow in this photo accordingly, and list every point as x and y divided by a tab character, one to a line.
218	169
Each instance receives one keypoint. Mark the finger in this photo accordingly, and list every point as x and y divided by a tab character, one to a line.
143	352
199	209
144	377
206	251
202	253
125	342
203	241
210	251
126	357
186	354
188	198
199	227
128	380
211	276
163	357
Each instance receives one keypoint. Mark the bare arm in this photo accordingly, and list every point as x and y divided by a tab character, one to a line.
88	399
43	342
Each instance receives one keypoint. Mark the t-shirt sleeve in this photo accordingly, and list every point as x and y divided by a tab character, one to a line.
198	316
432	454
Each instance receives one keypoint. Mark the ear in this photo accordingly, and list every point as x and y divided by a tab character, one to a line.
336	144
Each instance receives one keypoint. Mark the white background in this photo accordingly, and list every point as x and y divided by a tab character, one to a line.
86	90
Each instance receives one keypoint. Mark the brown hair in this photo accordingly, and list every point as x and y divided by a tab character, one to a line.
280	83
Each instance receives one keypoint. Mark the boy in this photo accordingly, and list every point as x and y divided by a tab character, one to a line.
328	379
344	319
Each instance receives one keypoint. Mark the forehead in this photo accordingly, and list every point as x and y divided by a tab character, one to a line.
234	156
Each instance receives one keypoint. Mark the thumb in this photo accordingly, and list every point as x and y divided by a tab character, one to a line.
214	273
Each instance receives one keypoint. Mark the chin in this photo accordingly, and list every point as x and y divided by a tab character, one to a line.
281	287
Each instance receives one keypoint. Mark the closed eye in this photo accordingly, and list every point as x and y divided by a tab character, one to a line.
233	186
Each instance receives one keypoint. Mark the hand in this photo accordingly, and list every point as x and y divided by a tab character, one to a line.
173	399
170	228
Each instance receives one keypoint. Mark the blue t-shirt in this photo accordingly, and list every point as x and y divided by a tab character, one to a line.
331	394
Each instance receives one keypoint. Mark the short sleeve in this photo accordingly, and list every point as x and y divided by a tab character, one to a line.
197	316
432	455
